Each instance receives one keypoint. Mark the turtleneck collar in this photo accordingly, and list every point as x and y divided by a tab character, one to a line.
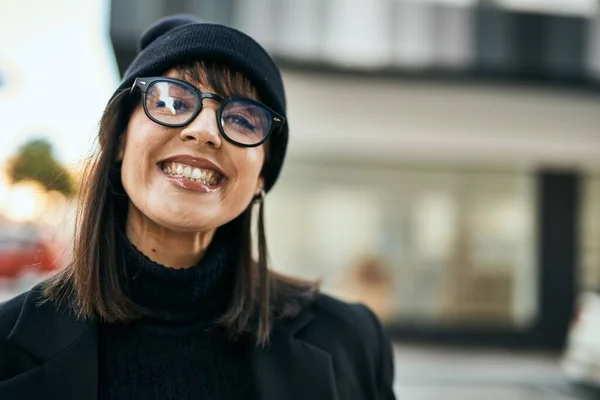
199	293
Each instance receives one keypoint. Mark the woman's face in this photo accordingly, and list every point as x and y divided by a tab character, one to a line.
156	160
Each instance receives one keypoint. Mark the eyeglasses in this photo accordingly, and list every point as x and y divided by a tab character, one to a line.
175	103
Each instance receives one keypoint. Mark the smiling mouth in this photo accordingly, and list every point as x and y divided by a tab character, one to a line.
207	177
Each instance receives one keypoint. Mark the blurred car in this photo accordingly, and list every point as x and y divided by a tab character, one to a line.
26	257
19	257
581	361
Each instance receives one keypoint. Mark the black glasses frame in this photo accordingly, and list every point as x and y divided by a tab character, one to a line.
277	121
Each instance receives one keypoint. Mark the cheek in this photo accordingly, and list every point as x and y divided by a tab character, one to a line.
139	143
248	165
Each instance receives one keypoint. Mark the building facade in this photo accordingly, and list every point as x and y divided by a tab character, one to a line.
444	162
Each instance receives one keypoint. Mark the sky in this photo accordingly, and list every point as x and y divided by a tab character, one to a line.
58	71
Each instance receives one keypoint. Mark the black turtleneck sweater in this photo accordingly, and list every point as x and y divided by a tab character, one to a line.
175	351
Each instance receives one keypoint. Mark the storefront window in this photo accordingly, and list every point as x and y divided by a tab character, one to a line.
426	246
590	223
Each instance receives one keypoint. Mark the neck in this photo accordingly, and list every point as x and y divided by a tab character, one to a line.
200	293
164	246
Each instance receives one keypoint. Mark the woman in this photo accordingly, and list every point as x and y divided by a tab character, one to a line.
163	299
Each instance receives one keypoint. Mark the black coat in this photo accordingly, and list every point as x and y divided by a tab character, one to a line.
331	351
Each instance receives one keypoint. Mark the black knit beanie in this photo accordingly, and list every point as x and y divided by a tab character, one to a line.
180	39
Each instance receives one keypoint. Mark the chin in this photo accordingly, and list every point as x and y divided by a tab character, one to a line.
183	226
188	223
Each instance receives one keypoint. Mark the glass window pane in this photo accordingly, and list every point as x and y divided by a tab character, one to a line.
431	246
590	259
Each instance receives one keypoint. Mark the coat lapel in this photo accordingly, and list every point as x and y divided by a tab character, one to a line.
292	369
67	349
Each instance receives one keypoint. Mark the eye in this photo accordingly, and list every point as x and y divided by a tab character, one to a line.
239	122
171	105
180	105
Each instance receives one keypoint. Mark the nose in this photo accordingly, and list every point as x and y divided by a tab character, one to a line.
203	129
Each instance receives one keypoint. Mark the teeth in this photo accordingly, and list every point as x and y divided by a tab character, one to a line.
206	176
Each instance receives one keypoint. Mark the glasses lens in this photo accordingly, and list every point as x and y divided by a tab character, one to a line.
170	103
245	122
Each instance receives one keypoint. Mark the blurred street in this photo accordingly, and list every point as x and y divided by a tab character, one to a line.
432	373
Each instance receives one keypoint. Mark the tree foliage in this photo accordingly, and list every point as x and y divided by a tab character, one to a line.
35	161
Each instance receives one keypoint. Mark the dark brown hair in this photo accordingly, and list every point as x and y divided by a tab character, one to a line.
93	283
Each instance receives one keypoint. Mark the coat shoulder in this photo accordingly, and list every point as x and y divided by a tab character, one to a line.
10	356
354	336
349	328
342	316
9	313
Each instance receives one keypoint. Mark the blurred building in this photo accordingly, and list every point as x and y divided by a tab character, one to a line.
444	163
